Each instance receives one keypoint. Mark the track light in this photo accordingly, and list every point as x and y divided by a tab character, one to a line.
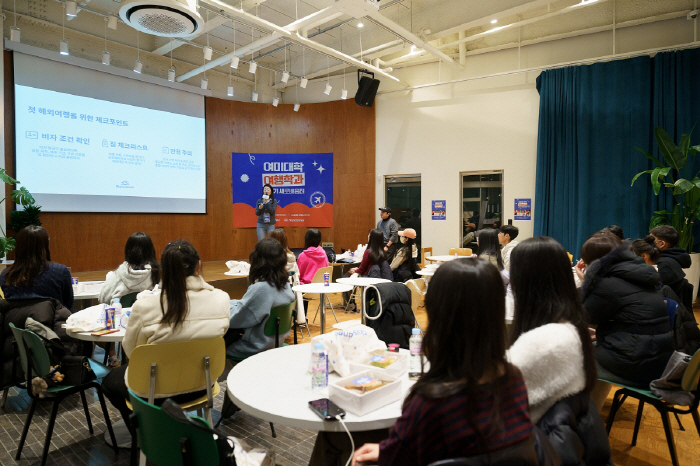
360	25
106	58
15	34
207	52
344	94
296	107
71	8
205	83
229	92
285	76
494	21
304	82
63	47
328	89
253	67
255	96
171	75
112	22
234	62
275	101
138	66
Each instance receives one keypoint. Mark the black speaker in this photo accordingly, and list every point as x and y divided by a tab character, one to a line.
366	88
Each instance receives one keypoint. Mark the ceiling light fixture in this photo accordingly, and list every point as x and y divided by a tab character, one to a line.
285	75
304	79
327	91
255	96
205	83
344	92
207	50
105	54
229	91
171	71
253	67
360	25
296	107
236	58
14	30
71	8
63	45
275	101
138	65
494	21
255	89
112	22
304	82
234	62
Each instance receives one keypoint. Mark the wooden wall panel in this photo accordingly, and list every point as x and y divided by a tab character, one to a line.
96	241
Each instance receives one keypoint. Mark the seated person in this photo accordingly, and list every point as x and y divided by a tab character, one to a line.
185	308
312	258
139	271
647	250
552	348
404	265
268	287
672	262
506	236
489	247
450	412
33	275
281	236
373	264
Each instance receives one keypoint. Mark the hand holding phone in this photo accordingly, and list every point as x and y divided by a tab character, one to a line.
326	409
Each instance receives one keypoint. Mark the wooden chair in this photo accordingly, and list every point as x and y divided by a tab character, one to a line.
422	255
689	382
318	278
35	362
460	252
418	289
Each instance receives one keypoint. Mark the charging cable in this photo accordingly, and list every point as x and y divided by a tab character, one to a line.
352	442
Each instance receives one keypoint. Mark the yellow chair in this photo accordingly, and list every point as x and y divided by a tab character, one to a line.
157	369
422	255
418	289
318	278
460	251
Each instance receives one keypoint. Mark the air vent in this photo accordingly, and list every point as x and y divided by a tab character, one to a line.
165	18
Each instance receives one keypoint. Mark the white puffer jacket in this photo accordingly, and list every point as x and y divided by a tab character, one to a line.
125	280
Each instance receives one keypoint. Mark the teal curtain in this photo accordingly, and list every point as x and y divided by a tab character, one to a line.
591	118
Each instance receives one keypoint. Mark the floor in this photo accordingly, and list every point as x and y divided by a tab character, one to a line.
73	445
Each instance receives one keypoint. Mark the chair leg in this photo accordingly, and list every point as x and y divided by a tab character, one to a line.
331	307
49	431
207	416
295	327
87	412
637	421
613	411
5	394
27	422
105	413
680	426
696	418
272	428
669	436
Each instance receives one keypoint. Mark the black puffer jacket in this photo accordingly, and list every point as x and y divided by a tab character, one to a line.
576	432
49	312
634	332
396	320
671	265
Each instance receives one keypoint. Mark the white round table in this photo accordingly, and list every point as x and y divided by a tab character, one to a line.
322	289
443	258
115	337
275	386
362	283
427	274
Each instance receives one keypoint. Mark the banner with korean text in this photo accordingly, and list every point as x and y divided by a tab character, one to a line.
302	185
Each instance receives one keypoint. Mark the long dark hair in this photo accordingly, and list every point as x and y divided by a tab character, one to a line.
178	261
312	238
32	256
272	191
466	338
139	251
267	264
545	293
488	244
281	236
376	246
646	246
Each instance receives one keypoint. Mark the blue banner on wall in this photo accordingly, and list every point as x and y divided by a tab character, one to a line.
302	185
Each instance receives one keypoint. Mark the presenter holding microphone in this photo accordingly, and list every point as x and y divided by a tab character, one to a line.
265	210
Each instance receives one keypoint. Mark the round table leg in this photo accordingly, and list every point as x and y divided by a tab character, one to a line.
323	313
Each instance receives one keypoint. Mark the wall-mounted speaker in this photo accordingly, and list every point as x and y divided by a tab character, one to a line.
367	88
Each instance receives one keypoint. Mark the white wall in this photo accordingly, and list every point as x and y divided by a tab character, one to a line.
487	124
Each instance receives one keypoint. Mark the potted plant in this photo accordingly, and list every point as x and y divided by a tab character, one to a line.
675	173
18	219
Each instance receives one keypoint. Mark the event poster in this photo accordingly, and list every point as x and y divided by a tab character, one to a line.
523	209
439	210
302	185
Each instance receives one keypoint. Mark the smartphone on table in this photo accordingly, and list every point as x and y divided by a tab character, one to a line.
326	409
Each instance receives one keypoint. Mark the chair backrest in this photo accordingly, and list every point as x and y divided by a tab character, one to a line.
285	315
179	365
159	437
318	278
31	351
128	299
671	307
422	255
460	251
417	287
691	376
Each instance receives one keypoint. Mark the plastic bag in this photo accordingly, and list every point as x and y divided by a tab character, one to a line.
87	320
351	344
238	267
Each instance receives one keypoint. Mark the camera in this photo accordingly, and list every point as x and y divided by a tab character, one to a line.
692	14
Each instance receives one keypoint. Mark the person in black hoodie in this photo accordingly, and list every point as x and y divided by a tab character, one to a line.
634	338
672	262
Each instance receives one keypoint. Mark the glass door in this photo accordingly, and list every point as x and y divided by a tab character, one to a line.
482	203
403	196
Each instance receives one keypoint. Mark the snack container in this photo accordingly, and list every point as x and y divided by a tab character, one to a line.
396	369
360	404
326	279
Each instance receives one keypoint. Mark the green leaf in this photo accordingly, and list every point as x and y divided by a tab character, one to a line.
694	150
640	174
684	144
651	157
672	154
22	196
662	212
6	178
657	220
682	186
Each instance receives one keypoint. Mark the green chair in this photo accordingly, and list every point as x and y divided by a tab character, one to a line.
35	363
128	299
164	440
689	383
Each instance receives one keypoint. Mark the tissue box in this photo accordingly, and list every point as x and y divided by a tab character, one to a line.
396	369
361	404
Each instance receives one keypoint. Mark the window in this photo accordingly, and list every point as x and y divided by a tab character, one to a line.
482	201
403	196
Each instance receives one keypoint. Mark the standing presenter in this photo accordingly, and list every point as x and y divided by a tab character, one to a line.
265	210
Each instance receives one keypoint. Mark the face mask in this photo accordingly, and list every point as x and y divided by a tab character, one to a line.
403	239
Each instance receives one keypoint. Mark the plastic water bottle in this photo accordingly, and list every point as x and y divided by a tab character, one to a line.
319	368
117	317
415	361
